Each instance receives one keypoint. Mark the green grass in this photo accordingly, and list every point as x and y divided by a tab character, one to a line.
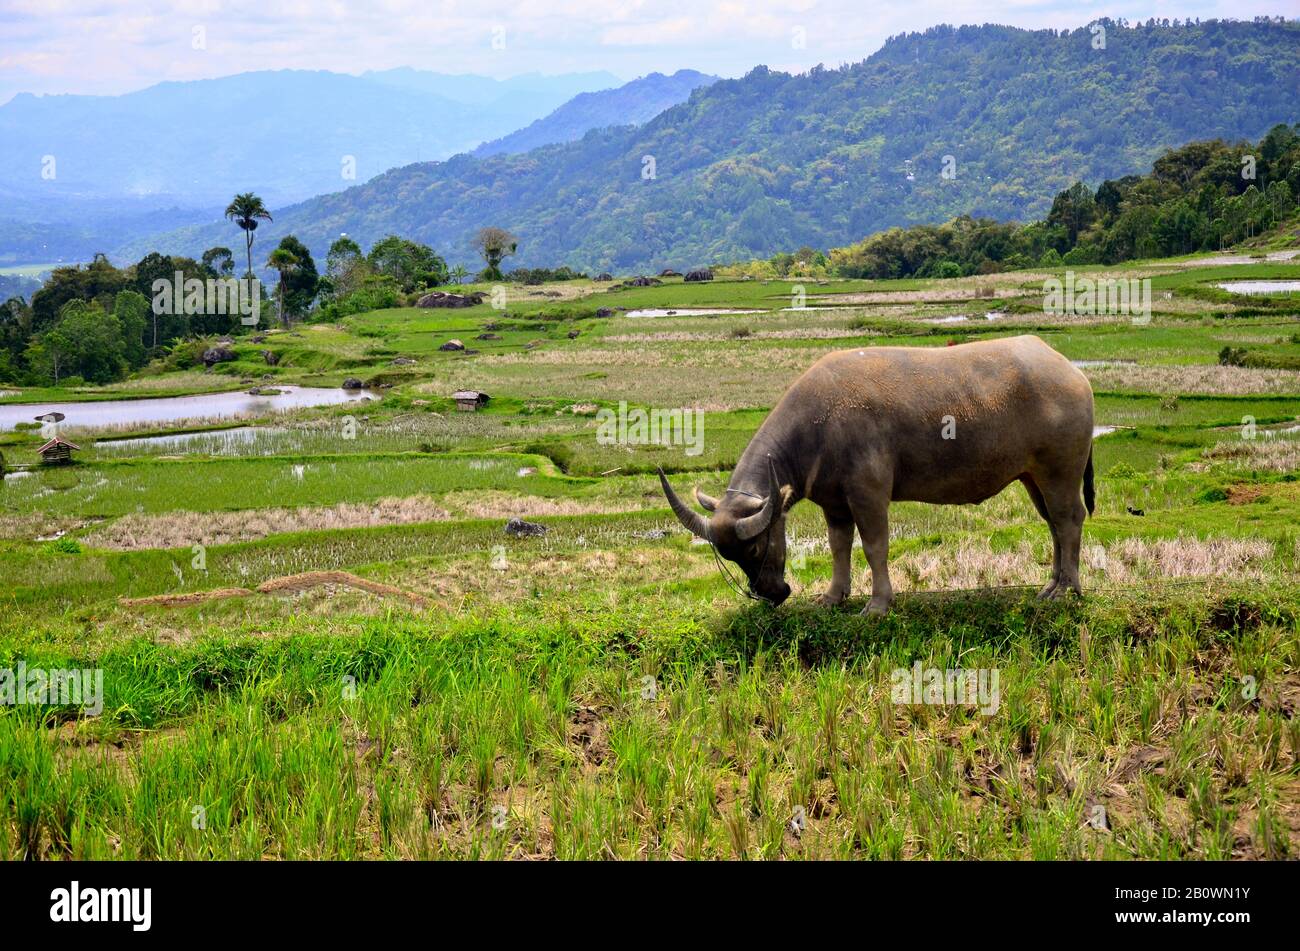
600	692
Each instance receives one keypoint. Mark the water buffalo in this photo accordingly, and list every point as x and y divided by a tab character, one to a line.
948	425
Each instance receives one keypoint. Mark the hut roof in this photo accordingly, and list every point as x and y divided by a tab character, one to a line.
469	395
58	441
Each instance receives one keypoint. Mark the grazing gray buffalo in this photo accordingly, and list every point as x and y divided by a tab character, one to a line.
862	428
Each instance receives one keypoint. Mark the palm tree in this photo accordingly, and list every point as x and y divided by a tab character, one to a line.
245	210
458	273
286	262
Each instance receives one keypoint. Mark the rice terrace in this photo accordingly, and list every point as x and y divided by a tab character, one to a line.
407	582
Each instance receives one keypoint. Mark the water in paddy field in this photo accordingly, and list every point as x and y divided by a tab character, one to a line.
1260	287
213	440
106	413
685	312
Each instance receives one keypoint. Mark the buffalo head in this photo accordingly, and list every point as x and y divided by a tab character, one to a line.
744	527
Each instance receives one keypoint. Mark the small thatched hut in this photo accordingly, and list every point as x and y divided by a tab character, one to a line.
57	452
468	401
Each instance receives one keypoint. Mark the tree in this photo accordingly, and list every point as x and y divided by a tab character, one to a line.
409	263
284	262
458	274
345	269
131	309
1074	209
495	245
86	342
300	288
246	210
219	261
99	281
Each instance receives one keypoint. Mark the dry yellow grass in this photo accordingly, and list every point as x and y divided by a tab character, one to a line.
504	505
1208	379
974	564
183	529
1276	454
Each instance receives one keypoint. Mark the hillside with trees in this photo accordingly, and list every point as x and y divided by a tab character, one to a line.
1204	196
987	121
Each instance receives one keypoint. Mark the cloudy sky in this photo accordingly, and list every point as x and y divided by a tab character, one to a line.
113	46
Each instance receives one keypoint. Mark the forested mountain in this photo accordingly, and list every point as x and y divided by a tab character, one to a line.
630	104
989	120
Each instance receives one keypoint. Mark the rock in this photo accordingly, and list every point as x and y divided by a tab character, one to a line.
259	338
700	274
271	357
452	345
518	528
491	325
443	299
643	282
604	276
604	312
573	334
403	362
214	355
352	383
668	272
468	353
488	336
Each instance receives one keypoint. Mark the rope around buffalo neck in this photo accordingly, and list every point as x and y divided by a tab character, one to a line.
722	564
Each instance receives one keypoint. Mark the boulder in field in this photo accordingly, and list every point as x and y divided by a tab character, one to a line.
699	274
518	528
604	312
443	299
271	357
452	345
352	383
604	276
668	272
573	334
214	355
488	336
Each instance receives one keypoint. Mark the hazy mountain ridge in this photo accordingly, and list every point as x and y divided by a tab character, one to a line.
632	103
286	134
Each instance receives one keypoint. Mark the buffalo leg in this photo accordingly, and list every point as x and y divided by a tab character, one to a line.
840	531
872	518
1065	504
1036	496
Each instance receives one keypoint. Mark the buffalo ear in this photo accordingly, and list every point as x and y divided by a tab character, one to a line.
787	497
707	502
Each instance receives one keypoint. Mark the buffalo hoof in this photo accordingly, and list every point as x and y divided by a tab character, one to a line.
828	600
1060	589
876	607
